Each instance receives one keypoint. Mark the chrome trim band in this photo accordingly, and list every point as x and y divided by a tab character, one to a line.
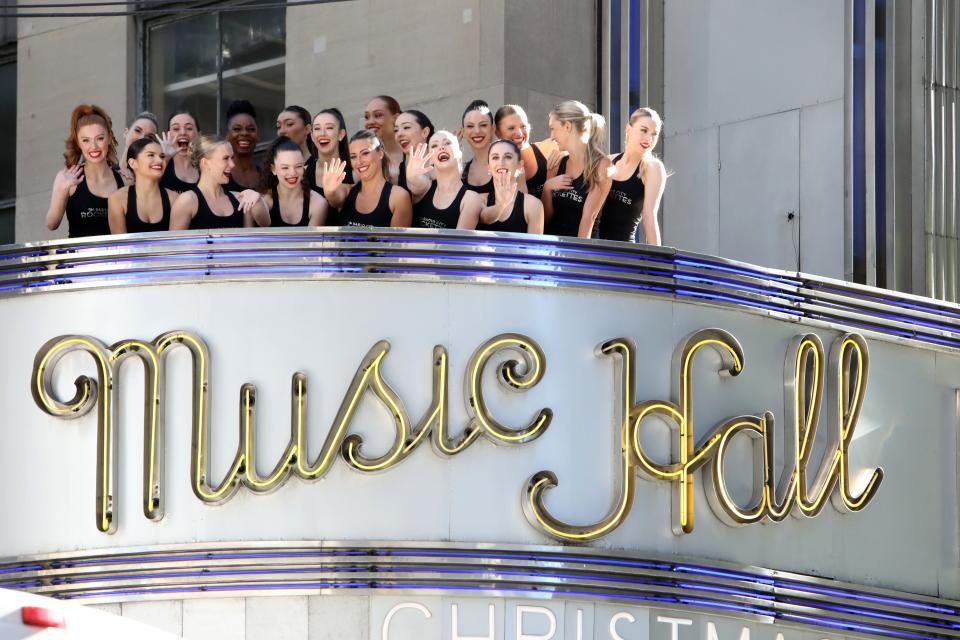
459	256
255	568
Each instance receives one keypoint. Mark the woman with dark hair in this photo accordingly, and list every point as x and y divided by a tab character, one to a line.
286	194
637	183
209	205
243	136
180	175
540	159
478	131
507	208
444	201
572	199
329	134
380	118
144	205
373	201
294	123
143	125
89	177
411	128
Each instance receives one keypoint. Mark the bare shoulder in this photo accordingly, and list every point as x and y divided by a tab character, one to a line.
473	198
119	196
653	169
172	195
399	195
532	204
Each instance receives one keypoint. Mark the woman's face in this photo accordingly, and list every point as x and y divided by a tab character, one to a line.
408	132
288	167
643	134
477	129
184	130
560	132
445	149
377	118
503	160
365	160
514	127
290	124
218	164
327	133
93	143
139	129
242	134
149	162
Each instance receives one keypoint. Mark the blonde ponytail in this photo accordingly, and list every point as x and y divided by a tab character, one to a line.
592	130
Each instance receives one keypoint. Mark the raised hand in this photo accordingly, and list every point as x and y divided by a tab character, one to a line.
248	199
421	162
168	145
68	178
334	173
505	187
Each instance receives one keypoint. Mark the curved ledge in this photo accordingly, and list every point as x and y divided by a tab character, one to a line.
187	571
415	254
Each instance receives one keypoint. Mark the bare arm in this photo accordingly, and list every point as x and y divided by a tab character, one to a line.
318	210
654	180
594	200
183	210
117	210
63	187
470	207
401	207
255	210
533	213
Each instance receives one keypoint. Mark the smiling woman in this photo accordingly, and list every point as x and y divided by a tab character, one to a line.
242	134
145	205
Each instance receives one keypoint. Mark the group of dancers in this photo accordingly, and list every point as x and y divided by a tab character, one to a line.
399	171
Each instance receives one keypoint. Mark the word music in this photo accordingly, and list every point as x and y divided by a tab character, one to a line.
805	379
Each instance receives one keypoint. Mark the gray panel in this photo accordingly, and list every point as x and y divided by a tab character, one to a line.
759	187
690	215
821	189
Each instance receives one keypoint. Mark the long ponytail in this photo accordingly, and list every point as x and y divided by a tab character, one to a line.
592	130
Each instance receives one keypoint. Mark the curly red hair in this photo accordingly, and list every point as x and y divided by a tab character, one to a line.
84	114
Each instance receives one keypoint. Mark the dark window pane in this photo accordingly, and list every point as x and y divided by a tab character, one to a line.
183	69
6	225
8	129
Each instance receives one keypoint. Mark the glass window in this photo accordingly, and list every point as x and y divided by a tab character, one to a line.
8	131
202	63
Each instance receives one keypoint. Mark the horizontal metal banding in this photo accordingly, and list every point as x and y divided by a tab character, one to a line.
426	256
192	570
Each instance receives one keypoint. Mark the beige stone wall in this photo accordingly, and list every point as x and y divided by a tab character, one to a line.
61	63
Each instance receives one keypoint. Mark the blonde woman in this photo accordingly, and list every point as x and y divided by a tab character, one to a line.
573	198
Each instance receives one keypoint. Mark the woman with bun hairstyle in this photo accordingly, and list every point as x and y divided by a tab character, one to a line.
180	175
209	205
412	129
286	194
477	130
143	125
540	159
380	117
89	177
507	208
144	205
572	199
243	136
636	184
329	135
444	201
373	201
294	123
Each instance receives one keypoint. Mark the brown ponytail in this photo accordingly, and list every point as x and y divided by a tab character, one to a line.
84	114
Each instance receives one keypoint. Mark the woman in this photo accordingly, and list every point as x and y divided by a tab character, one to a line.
208	205
446	199
145	124
144	205
329	134
507	207
380	117
294	123
540	159
286	195
412	129
180	175
637	183
373	201
572	199
243	136
89	176
478	130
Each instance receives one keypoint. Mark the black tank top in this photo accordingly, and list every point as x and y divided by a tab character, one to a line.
567	206
402	175
381	216
516	223
535	183
622	209
233	185
427	216
487	187
207	219
170	180
87	213
135	224
310	174
276	220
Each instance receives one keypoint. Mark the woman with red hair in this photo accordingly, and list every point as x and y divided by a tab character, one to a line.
89	177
